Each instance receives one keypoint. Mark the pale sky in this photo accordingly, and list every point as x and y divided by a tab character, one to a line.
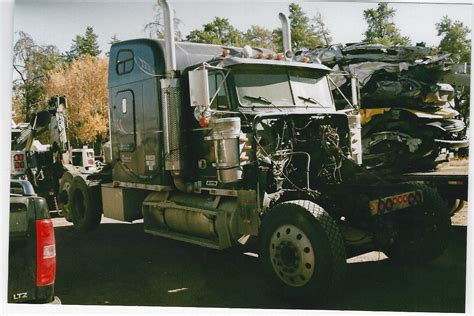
58	21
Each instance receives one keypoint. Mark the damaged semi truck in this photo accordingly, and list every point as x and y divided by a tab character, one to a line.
212	145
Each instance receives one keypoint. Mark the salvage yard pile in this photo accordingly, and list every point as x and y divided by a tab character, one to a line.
407	106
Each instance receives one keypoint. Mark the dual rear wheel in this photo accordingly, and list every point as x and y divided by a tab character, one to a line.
80	202
422	232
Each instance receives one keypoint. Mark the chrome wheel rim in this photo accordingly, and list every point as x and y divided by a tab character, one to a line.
292	255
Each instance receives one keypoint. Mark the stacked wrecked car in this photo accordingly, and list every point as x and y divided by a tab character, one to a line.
408	116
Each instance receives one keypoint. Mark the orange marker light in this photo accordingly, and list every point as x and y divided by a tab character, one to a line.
203	122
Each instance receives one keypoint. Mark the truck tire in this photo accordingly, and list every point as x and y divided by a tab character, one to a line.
302	251
422	231
84	205
64	196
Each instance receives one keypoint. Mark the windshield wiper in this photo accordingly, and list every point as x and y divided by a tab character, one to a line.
262	100
259	99
311	100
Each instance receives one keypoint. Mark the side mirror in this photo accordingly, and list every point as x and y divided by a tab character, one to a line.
199	88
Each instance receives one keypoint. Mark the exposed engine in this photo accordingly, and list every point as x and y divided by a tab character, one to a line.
302	152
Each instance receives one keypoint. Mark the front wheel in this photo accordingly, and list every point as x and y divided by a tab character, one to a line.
302	251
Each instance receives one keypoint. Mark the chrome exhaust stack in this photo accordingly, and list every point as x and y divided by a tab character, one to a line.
169	38
171	100
286	34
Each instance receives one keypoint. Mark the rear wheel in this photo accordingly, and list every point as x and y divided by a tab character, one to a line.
84	205
422	231
302	251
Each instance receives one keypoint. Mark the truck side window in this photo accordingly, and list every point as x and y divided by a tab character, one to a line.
220	101
125	62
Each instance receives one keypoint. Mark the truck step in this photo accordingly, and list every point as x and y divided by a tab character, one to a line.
186	238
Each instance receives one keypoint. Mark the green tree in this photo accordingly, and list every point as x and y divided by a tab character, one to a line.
84	45
155	28
219	32
455	39
303	34
257	36
31	62
381	28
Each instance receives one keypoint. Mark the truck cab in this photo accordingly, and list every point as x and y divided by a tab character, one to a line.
211	81
84	157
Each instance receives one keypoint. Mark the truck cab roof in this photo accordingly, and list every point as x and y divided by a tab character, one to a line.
142	58
230	61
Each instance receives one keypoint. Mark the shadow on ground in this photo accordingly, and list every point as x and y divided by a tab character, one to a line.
120	265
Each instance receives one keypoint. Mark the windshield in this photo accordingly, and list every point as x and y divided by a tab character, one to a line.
282	86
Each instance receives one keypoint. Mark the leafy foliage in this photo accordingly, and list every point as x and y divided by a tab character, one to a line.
84	45
456	42
303	33
257	36
84	83
31	62
455	39
381	28
219	32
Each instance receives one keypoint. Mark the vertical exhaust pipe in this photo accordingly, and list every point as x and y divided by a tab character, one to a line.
171	105
286	32
169	37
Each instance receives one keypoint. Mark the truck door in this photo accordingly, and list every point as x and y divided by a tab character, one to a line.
124	121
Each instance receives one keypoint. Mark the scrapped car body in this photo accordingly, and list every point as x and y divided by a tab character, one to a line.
407	105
